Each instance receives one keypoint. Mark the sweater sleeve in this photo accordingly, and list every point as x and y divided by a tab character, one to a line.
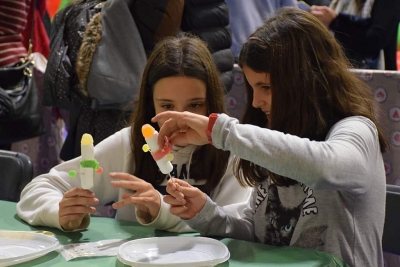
351	147
212	220
164	220
229	195
39	203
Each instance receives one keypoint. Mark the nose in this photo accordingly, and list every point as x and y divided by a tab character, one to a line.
257	100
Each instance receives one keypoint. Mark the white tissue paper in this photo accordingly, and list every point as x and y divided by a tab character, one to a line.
91	249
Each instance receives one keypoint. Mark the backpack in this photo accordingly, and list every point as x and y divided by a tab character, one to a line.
113	60
102	72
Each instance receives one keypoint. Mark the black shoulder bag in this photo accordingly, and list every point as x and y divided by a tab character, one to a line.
20	115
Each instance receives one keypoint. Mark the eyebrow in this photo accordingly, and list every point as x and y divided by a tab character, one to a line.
192	99
262	83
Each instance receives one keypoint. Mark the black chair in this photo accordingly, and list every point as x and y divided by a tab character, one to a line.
391	232
16	171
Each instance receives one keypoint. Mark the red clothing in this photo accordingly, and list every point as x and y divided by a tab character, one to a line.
13	20
16	18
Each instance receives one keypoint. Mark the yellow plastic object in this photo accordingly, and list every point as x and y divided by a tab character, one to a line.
145	147
87	139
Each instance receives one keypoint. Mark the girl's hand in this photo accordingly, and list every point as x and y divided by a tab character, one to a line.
74	206
182	128
143	195
185	200
325	14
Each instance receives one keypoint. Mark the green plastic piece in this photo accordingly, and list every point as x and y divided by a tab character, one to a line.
94	164
72	173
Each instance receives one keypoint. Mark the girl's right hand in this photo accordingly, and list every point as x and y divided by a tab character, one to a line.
185	200
74	206
182	128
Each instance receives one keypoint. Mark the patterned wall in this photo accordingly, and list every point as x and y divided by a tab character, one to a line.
385	87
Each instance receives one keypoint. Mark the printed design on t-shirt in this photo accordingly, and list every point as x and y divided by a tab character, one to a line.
183	173
309	206
280	221
262	194
311	237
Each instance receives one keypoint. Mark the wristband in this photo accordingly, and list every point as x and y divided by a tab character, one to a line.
211	121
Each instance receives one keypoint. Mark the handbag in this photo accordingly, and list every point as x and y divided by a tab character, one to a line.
20	115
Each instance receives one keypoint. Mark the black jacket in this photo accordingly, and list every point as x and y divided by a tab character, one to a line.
209	19
364	38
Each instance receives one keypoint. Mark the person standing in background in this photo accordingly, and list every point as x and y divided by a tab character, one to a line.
318	2
363	28
22	23
13	21
209	20
246	16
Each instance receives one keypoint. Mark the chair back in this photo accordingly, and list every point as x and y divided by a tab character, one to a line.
391	231
16	171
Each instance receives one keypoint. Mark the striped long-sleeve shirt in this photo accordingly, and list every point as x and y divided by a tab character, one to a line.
13	20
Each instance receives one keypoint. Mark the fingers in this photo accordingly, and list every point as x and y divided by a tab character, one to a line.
75	204
163	116
122	203
123	176
179	211
128	181
73	211
169	129
179	182
172	188
151	203
77	197
77	201
173	201
145	201
318	8
190	192
79	192
180	189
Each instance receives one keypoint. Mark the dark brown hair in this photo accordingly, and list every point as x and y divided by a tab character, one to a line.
184	56
312	86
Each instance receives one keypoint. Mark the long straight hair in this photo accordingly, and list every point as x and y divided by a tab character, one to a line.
185	56
312	86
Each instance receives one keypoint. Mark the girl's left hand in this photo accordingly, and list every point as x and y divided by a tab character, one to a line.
143	196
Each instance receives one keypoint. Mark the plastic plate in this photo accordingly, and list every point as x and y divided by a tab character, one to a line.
21	246
173	251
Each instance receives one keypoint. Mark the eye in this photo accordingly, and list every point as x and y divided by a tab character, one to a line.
195	105
288	228
266	87
167	106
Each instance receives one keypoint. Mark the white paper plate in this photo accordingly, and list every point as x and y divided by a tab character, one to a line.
22	246
173	251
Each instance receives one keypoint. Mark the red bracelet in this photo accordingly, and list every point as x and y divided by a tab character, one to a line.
211	121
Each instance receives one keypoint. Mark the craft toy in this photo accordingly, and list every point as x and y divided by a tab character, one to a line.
88	164
163	157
